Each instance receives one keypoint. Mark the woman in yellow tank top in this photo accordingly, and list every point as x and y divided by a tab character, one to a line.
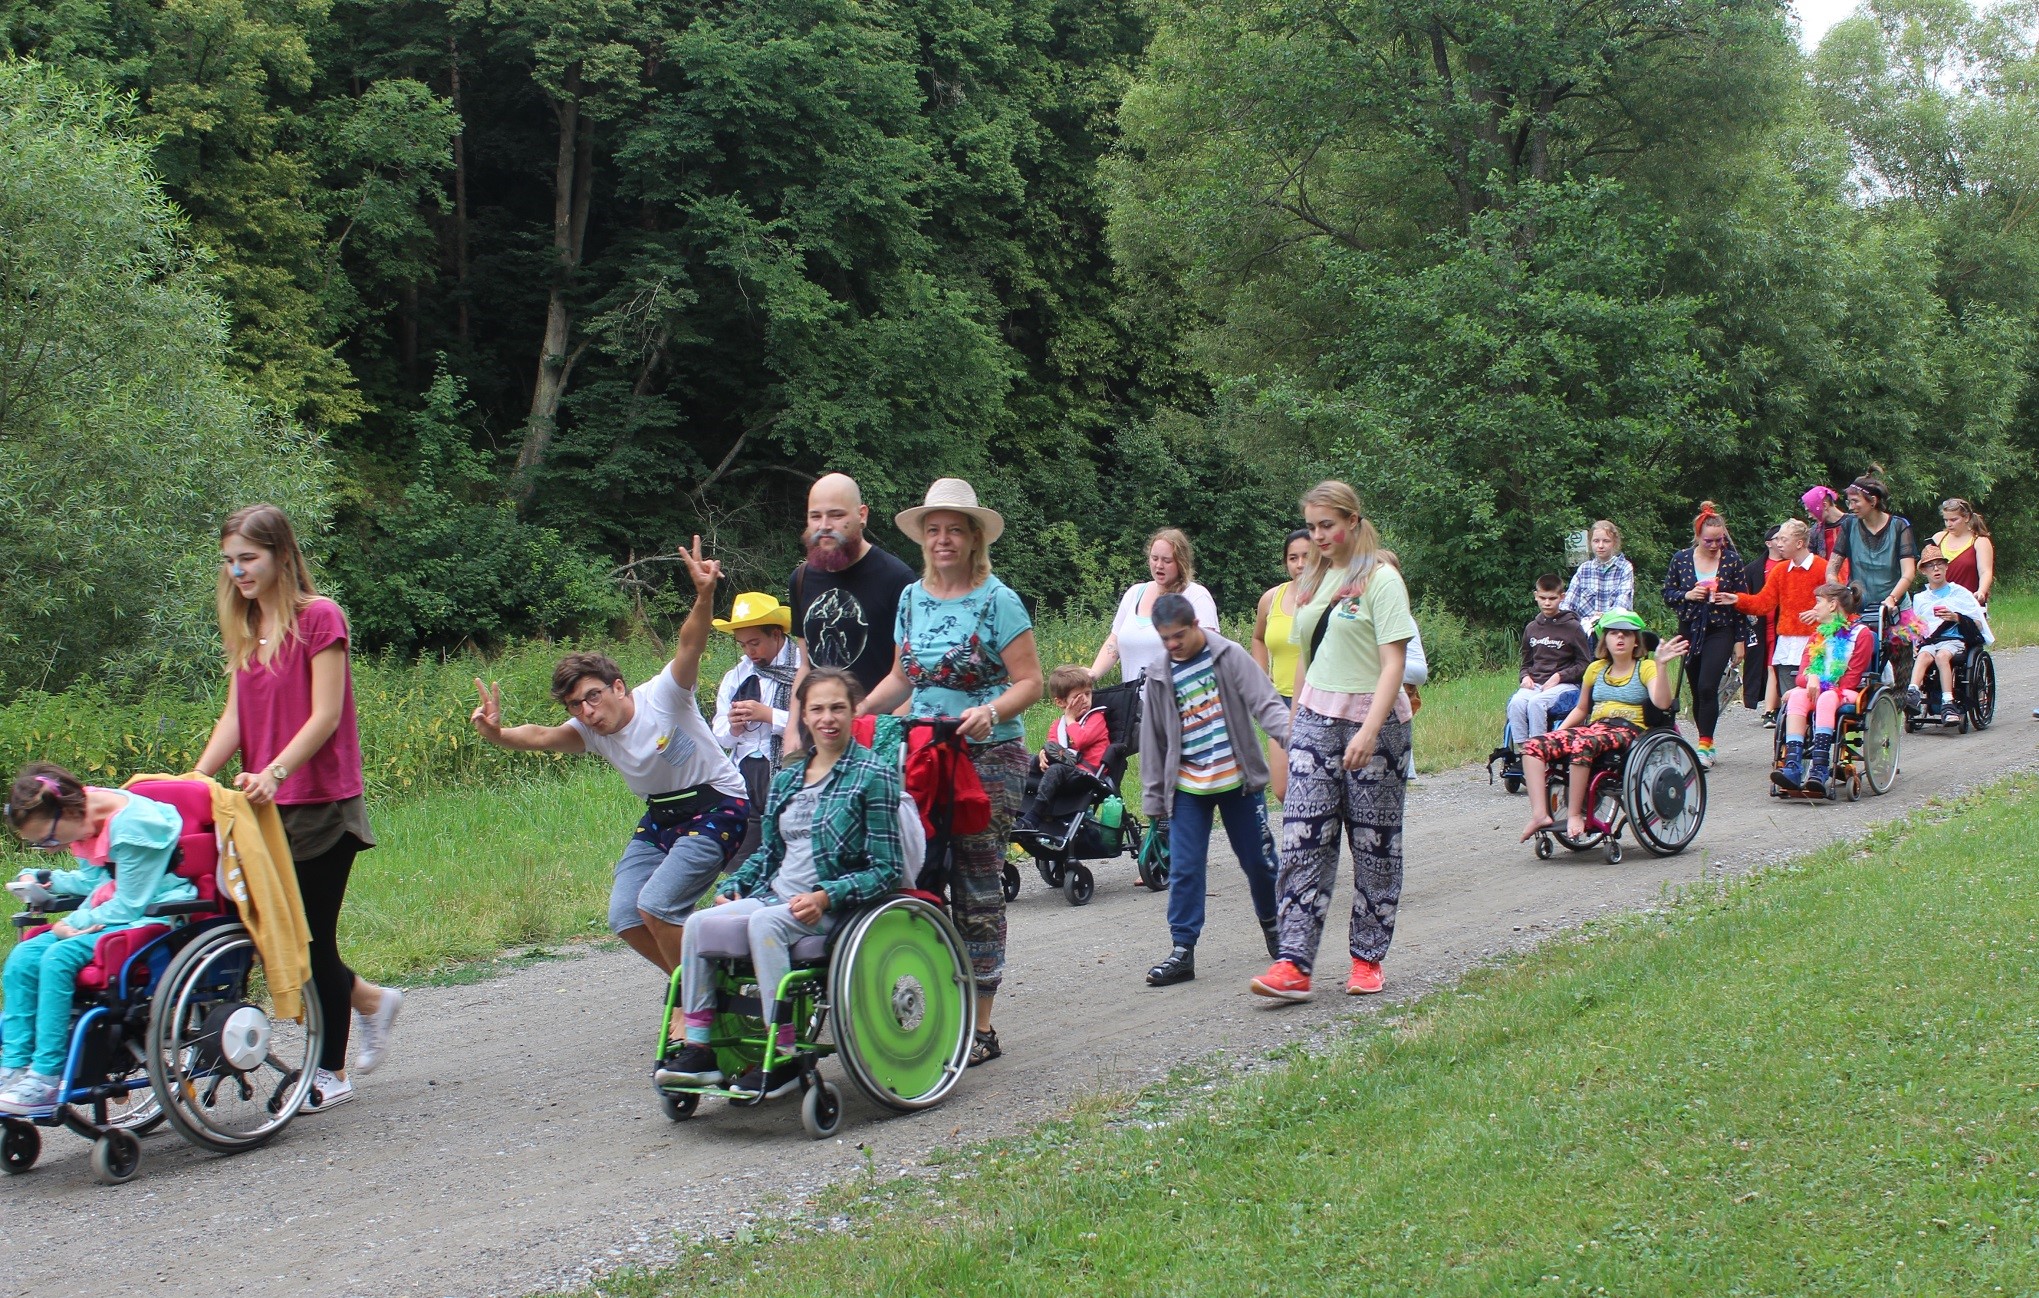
1273	649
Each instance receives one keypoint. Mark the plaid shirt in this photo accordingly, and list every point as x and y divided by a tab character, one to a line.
1597	587
857	851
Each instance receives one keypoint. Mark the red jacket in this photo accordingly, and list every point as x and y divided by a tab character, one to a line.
1787	592
1088	738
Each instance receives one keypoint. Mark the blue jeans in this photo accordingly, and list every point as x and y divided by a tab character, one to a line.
1189	847
40	981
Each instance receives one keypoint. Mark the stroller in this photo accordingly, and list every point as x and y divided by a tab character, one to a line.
1087	820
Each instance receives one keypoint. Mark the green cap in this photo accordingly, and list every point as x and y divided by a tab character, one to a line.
1619	619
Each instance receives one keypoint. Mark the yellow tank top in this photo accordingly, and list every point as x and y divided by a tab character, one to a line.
1953	547
1281	652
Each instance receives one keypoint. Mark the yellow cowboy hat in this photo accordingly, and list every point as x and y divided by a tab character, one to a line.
753	609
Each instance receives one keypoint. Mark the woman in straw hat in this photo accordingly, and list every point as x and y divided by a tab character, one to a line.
966	649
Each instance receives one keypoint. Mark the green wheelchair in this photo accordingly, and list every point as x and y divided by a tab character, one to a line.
888	992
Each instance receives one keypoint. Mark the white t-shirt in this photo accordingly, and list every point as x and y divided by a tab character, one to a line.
1139	643
666	746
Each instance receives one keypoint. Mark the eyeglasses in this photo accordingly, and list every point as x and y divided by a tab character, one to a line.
586	701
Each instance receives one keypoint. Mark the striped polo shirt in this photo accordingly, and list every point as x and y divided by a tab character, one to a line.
1208	765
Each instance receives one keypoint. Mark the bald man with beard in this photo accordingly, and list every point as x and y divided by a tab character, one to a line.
845	594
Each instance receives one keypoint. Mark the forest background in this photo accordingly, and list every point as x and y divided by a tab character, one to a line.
505	298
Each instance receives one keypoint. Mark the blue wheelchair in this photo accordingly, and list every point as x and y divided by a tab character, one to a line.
175	1022
1508	755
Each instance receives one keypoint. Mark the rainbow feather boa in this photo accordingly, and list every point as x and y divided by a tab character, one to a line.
1832	645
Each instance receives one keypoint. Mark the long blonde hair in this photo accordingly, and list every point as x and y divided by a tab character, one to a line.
1340	499
980	553
1185	556
240	620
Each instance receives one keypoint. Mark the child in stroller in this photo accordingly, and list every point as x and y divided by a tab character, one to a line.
1076	740
1073	813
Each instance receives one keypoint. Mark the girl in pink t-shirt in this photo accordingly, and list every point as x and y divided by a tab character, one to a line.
290	718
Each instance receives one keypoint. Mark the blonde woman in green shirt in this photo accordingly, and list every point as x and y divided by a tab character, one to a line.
1348	747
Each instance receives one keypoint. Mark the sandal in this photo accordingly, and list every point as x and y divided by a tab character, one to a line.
984	1047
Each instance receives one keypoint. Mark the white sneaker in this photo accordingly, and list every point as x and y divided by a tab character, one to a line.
9	1076
371	1031
1705	759
30	1093
328	1092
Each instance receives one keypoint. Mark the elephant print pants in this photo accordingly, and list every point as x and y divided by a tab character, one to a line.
1322	796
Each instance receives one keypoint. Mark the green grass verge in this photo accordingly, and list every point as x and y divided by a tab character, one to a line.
1816	1081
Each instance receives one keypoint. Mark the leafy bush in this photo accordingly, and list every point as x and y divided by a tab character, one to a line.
448	560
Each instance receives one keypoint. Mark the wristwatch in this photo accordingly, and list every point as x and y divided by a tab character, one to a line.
279	772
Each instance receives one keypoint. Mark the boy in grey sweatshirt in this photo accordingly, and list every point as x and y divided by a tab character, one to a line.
1200	759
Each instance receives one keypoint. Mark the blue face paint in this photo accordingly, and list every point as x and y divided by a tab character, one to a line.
239	572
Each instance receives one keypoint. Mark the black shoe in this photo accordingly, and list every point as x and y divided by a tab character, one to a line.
782	1080
1179	967
984	1047
693	1066
1270	932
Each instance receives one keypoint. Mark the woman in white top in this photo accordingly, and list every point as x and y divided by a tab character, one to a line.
1134	644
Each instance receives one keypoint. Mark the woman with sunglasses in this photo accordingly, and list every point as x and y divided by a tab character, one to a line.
289	717
1701	588
123	843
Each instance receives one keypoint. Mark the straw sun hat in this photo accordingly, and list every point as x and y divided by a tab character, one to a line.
955	495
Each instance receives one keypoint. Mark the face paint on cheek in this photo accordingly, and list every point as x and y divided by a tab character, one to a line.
1339	537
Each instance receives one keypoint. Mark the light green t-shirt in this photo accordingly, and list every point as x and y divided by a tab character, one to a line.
1349	659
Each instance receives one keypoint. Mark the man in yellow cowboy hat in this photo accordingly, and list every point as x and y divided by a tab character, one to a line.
751	704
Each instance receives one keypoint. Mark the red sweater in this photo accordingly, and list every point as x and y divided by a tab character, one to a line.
1787	592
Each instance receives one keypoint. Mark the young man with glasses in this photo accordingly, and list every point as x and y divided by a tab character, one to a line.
656	737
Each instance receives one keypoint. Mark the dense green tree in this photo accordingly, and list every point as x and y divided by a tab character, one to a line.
124	434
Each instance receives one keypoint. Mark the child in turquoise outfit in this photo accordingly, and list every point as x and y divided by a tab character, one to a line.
124	844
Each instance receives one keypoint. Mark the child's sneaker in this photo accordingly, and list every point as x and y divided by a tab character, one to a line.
1706	754
693	1066
1770	719
328	1092
1951	714
9	1076
372	1031
779	1082
1366	978
30	1093
1284	982
1914	701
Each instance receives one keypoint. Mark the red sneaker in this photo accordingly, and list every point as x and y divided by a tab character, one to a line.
1284	982
1366	978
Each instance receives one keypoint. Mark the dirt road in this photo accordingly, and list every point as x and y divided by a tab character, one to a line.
513	1143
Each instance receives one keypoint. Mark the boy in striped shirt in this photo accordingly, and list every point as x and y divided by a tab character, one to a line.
1200	760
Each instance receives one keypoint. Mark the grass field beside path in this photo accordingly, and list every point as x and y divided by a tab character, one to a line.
1820	1080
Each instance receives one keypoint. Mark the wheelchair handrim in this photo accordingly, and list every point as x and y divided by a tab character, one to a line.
903	1004
1880	731
1665	793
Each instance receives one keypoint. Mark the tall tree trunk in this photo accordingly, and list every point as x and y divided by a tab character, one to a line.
572	190
459	193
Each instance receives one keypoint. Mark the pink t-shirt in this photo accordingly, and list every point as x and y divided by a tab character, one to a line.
274	702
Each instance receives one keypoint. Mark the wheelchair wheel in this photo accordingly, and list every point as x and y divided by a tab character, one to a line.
1664	790
116	1157
903	1002
20	1146
1880	731
1982	690
821	1109
1009	881
228	1070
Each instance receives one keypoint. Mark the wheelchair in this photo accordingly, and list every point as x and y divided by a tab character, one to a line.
1508	754
888	992
1088	819
1654	790
1975	688
1866	734
175	1022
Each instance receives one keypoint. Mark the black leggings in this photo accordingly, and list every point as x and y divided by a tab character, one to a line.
1706	664
322	881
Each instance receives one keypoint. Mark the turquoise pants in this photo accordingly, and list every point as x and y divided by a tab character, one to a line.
40	979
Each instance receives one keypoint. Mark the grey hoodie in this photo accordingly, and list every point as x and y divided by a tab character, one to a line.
1246	695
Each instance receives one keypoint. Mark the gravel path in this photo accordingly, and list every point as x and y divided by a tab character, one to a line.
513	1143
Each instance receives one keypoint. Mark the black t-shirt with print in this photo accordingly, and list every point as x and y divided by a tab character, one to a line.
846	617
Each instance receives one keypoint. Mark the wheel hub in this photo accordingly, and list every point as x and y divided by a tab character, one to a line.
1669	795
244	1038
909	1002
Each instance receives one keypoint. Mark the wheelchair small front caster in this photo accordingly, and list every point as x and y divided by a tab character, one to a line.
1613	852
1009	881
821	1110
116	1157
679	1107
20	1147
1543	847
